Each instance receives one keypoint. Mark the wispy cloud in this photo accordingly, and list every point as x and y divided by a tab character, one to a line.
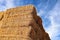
9	3
2	5
6	4
54	28
51	17
49	10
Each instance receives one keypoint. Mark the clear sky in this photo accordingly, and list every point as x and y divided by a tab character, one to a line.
48	10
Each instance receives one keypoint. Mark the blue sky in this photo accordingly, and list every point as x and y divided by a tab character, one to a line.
48	10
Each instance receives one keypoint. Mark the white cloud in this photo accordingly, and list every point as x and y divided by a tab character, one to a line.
2	5
41	12
54	28
9	3
54	16
6	4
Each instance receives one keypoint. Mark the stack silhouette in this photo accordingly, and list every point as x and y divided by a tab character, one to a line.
21	23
